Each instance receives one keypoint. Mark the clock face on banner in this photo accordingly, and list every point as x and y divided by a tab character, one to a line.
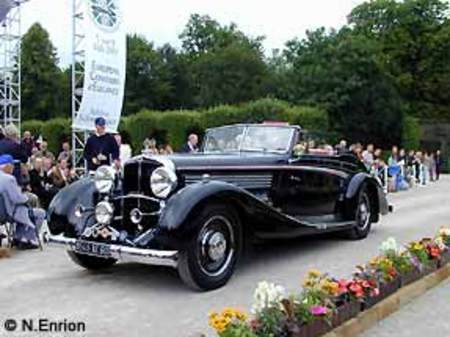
105	13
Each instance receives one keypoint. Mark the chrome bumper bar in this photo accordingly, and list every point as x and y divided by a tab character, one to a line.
167	258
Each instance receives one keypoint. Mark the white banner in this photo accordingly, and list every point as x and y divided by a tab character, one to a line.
105	65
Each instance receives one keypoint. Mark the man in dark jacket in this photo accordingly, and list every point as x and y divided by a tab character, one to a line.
192	144
101	148
439	164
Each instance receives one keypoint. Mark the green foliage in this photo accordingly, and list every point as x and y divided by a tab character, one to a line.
414	36
340	71
34	126
42	80
173	127
148	78
55	131
412	133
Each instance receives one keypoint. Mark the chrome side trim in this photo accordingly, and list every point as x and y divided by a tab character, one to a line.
166	258
244	181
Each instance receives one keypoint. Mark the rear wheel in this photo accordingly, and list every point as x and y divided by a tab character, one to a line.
90	262
210	258
363	217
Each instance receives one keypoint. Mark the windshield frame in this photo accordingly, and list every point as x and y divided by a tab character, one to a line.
294	130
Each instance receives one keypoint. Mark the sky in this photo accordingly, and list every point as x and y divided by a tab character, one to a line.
163	20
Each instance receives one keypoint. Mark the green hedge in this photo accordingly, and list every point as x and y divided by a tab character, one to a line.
173	127
412	133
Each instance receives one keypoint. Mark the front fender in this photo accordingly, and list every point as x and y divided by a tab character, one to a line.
61	212
184	202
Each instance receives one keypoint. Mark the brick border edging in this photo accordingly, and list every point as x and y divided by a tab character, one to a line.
387	307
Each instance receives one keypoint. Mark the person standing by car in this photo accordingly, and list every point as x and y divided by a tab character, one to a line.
101	148
192	144
439	162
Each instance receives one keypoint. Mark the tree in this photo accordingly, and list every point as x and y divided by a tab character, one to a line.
341	71
202	34
41	78
226	66
148	78
413	37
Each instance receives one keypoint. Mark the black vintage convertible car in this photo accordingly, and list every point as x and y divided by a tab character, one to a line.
194	212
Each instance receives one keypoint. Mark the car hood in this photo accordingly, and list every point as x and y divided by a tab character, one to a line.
184	161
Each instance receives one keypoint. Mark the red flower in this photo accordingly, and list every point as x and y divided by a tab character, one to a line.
356	289
375	292
434	252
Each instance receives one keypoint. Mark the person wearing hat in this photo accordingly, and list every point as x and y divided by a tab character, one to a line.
28	220
101	148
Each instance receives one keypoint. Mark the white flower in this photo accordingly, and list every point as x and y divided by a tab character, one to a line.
267	295
444	232
440	243
389	246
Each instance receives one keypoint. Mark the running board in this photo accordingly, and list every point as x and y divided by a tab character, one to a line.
329	225
323	222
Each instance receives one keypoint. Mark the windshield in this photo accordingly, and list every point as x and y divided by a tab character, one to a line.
249	138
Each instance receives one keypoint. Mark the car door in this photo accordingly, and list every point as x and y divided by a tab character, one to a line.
307	190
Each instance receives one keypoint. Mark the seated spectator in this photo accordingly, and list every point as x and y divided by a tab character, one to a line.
165	150
125	151
65	153
27	143
367	156
11	144
45	152
341	148
28	221
356	149
60	175
150	147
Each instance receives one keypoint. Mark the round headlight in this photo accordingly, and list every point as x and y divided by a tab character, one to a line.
104	213
104	179
163	181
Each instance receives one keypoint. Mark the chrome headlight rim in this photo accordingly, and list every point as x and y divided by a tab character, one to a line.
104	178
104	212
163	181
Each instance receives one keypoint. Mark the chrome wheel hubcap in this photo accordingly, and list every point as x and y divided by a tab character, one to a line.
363	215
216	245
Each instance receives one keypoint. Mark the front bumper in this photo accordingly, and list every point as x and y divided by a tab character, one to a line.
167	258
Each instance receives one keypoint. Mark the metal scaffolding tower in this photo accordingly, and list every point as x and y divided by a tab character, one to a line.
79	137
10	76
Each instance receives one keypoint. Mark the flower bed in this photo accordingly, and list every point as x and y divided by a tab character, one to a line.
325	302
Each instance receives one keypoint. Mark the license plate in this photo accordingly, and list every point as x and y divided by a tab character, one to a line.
92	248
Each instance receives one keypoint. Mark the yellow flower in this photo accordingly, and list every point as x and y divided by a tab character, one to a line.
314	273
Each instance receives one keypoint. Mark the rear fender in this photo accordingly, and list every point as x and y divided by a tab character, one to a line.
376	192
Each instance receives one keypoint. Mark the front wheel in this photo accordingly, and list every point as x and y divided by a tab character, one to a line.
90	262
363	217
210	257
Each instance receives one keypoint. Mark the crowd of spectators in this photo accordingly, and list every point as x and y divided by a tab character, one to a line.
401	169
39	172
